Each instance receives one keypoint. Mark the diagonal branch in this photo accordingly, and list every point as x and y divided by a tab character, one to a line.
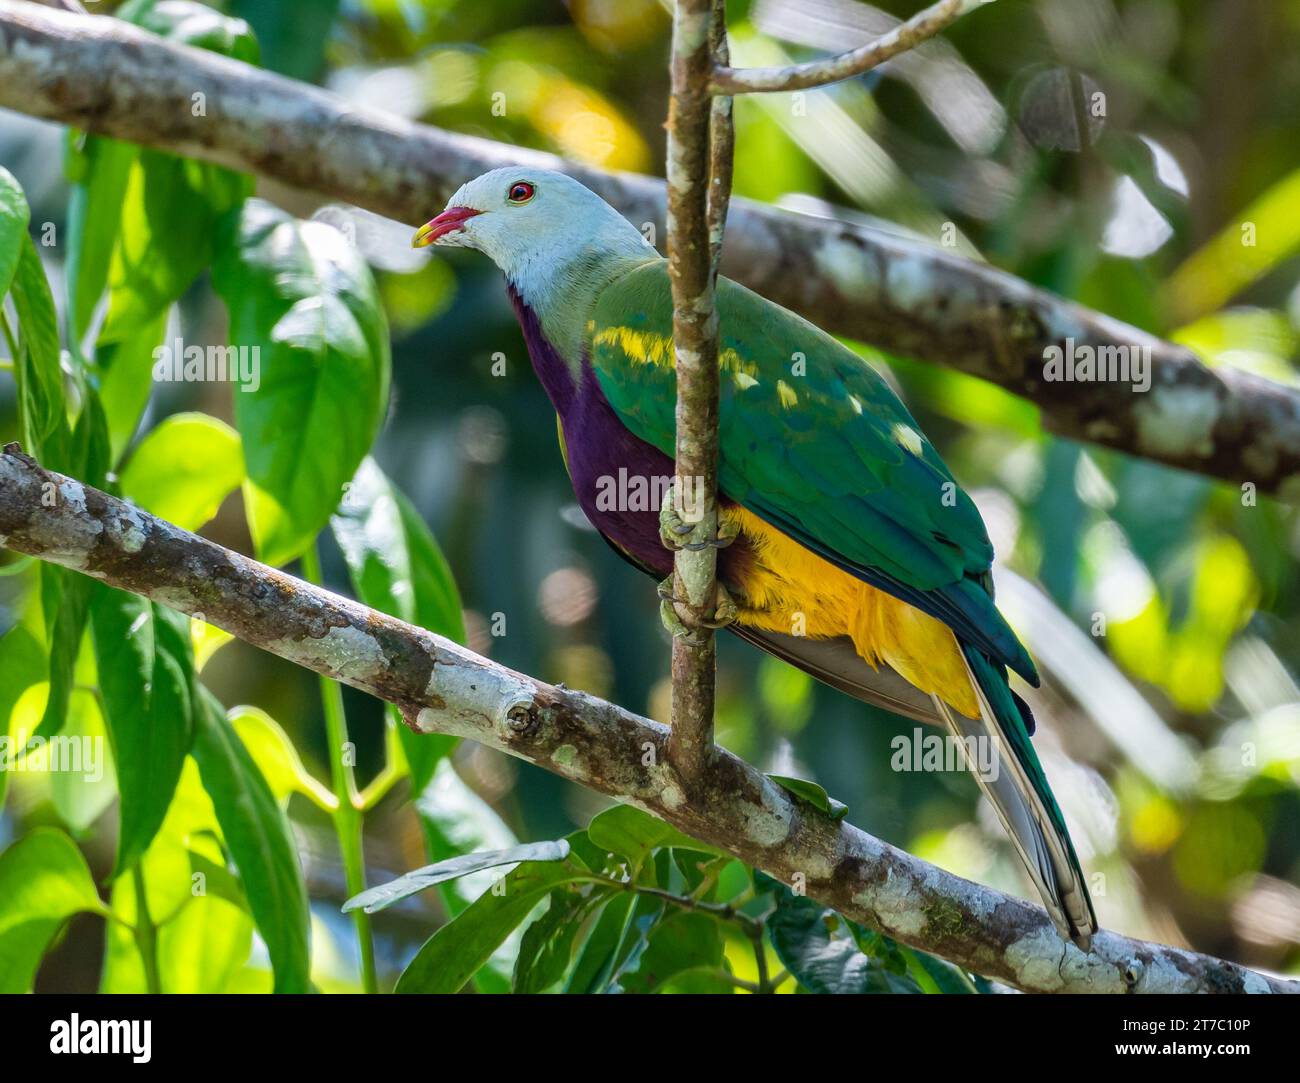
906	35
443	688
904	296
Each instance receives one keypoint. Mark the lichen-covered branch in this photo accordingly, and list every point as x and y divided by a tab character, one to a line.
444	688
694	235
907	297
906	35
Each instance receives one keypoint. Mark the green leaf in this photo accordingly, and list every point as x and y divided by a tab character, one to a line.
690	864
67	598
82	791
682	941
633	939
203	946
937	975
277	758
819	948
89	449
14	216
448	958
159	211
547	945
184	468
99	168
194	24
1226	264
597	958
146	676
396	566
142	223
22	664
813	794
306	301
125	372
188	842
65	595
293	36
699	981
44	881
383	896
393	560
37	368
165	236
257	833
635	834
455	820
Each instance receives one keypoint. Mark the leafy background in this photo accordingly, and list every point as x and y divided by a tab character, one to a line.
1172	740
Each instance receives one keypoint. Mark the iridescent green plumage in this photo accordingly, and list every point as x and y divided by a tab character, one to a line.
813	441
816	443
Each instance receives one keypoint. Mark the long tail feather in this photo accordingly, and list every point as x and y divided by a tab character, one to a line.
1019	793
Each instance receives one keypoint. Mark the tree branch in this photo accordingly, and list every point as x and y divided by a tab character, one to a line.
443	688
903	296
691	245
722	143
906	35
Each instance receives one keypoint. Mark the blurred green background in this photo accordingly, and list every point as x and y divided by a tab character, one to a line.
1163	609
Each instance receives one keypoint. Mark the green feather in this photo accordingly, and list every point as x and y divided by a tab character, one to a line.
812	440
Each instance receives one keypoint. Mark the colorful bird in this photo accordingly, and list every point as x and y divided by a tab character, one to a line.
853	553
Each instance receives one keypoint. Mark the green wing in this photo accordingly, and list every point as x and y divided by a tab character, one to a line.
814	442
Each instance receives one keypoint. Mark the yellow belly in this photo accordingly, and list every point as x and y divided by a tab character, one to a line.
788	588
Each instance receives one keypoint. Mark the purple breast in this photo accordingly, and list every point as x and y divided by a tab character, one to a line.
618	478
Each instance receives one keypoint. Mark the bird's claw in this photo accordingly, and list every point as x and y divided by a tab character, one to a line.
724	612
673	529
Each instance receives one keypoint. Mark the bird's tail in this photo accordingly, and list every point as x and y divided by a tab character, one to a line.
1019	792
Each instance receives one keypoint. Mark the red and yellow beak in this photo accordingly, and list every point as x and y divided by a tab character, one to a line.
452	219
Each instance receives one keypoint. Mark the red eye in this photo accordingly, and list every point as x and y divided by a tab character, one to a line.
521	192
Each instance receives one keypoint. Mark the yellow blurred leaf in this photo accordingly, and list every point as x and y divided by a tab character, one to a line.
1264	234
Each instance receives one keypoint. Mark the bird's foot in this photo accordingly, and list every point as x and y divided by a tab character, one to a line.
675	529
724	612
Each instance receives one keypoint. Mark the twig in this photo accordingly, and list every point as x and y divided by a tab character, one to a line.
722	142
832	69
441	687
146	933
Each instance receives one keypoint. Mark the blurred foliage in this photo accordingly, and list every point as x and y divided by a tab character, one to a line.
1139	156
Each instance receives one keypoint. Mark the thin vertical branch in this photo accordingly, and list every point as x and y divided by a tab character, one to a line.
694	236
722	142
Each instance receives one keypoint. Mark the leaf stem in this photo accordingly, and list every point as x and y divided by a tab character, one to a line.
347	816
752	927
146	934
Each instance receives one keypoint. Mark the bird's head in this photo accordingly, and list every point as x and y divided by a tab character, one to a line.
532	223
